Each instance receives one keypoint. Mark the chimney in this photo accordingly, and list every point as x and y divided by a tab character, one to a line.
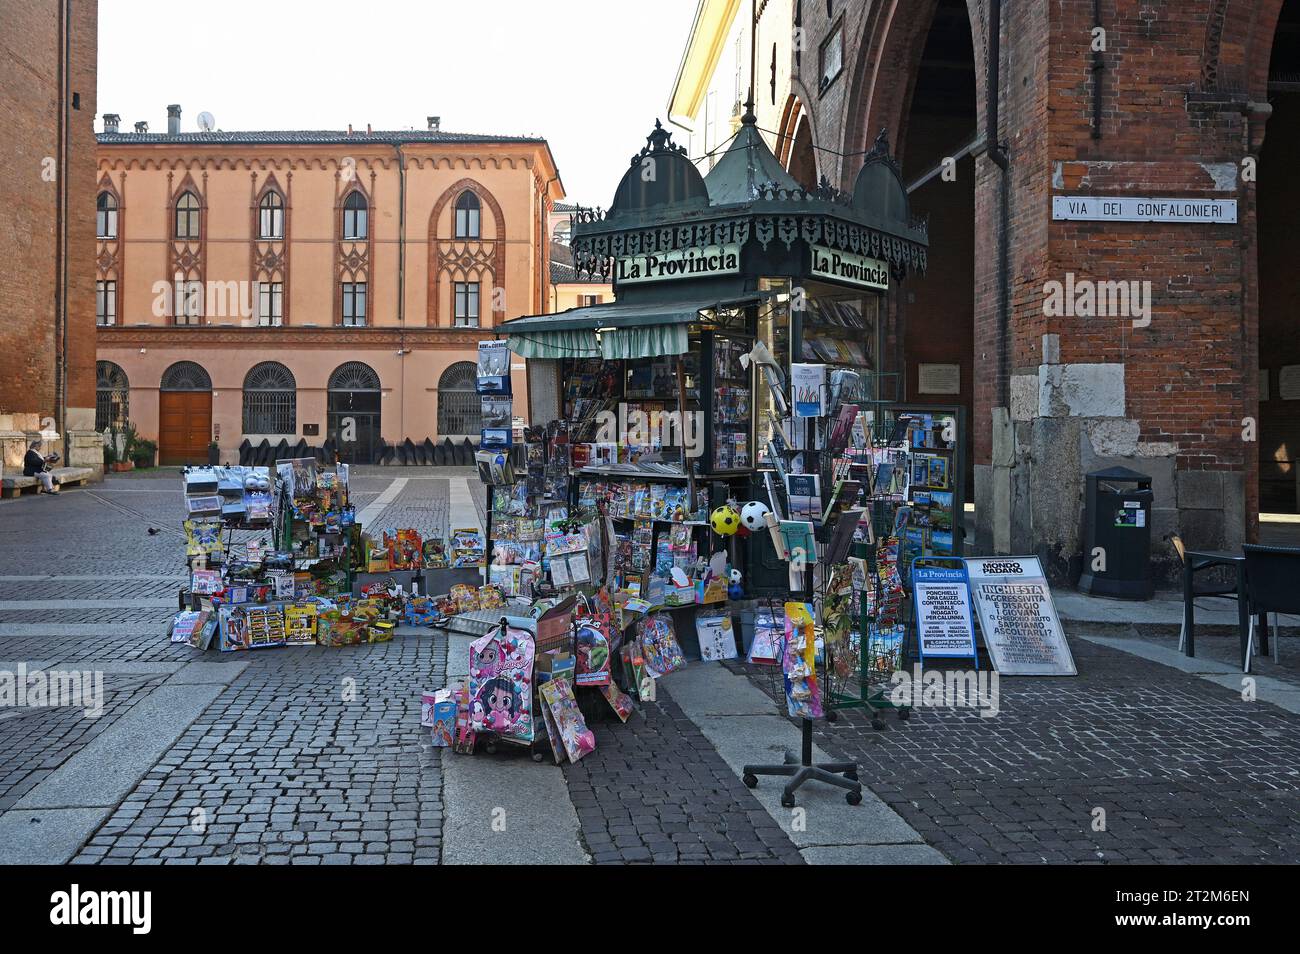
349	129
369	131
435	123
111	121
173	119
142	127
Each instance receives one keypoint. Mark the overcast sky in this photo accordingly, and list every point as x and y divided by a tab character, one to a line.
589	75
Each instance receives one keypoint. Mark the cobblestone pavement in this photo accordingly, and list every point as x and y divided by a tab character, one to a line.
654	790
316	756
1184	771
310	755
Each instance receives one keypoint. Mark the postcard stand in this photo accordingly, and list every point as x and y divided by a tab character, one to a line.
839	774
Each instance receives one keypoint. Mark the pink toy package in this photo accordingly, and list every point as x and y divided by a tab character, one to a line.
501	683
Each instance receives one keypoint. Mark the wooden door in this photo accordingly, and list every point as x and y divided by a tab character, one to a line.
184	426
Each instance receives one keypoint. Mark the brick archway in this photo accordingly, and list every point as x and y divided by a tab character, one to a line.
437	261
884	74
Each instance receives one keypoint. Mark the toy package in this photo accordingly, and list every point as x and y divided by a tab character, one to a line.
490	597
799	667
438	713
552	732
717	637
557	696
420	611
592	643
659	645
465	597
501	683
186	624
300	624
233	628
463	743
618	700
202	537
435	554
336	628
265	626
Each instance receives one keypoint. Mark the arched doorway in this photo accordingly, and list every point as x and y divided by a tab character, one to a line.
459	406
112	397
184	414
354	407
938	319
1278	203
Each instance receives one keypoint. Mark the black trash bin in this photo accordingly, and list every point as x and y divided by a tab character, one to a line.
1117	518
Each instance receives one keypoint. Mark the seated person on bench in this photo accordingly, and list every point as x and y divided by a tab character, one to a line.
34	465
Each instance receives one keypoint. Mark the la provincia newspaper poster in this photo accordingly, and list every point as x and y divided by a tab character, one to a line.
943	613
1018	618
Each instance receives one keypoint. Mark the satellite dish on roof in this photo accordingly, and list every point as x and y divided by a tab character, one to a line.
206	122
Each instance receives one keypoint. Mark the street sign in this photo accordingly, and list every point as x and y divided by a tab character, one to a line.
944	624
1018	618
1106	208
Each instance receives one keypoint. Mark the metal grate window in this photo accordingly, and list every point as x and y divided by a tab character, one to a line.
185	376
270	400
460	410
112	397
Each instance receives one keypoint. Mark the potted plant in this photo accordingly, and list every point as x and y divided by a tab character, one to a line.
214	453
142	455
116	458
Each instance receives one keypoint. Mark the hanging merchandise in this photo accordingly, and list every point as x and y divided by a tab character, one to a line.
659	645
592	643
725	520
501	683
798	663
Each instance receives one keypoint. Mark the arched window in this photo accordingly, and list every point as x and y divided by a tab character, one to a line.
354	376
355	217
187	216
270	400
185	376
467	215
106	216
112	396
460	410
270	218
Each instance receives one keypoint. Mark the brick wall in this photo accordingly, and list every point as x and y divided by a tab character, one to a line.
1182	102
30	107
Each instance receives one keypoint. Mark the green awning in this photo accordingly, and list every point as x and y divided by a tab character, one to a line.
562	343
610	330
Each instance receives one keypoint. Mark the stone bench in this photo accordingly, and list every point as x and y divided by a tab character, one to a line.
67	476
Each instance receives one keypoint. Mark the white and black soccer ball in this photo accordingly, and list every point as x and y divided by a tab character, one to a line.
753	516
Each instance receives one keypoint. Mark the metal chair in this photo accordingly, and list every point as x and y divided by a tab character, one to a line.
1272	586
1222	591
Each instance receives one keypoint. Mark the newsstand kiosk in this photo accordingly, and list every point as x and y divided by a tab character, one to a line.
741	382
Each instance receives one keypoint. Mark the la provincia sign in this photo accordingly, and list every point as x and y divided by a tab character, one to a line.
700	261
944	624
1092	208
849	268
1018	618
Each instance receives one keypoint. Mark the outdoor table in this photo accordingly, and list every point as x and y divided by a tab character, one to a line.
1197	560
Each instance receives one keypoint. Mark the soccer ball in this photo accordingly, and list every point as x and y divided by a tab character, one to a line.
753	515
725	521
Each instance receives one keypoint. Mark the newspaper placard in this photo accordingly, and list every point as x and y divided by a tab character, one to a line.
1018	618
944	624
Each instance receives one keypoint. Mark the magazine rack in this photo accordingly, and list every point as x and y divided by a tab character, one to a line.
839	774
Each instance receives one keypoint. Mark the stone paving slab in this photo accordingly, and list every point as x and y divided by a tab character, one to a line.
108	767
821	817
47	836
